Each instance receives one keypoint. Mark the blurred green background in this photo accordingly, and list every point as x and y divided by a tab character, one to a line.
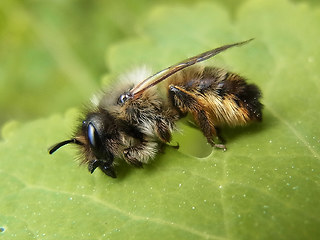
53	52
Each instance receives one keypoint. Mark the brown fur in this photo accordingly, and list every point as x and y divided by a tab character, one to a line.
132	125
214	98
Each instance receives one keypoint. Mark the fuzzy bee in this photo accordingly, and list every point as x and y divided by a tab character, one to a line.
131	124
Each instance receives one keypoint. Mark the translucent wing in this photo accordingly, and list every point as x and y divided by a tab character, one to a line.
165	73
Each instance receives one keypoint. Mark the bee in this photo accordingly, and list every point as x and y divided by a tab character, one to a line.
131	124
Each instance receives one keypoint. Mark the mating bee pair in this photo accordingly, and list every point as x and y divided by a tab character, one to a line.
132	123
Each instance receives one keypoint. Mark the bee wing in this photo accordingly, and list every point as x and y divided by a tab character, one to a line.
167	72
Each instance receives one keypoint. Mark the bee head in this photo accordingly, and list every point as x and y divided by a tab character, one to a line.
95	135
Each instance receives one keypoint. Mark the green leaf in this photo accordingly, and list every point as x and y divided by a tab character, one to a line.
266	186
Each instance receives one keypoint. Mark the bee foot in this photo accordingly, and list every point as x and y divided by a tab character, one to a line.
177	146
220	146
129	157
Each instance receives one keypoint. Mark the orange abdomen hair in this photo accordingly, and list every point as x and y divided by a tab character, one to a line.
214	97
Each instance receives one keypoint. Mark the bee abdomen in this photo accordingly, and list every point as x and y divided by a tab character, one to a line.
244	95
228	98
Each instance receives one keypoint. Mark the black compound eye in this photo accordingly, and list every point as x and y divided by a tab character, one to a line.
93	135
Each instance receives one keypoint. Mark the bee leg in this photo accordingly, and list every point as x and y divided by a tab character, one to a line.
141	153
129	157
162	146
207	128
219	136
176	146
163	131
187	101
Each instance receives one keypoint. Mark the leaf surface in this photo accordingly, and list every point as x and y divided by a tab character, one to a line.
266	186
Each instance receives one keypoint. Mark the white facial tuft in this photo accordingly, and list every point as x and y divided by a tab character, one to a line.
136	75
95	99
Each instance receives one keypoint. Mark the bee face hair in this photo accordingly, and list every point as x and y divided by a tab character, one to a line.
131	126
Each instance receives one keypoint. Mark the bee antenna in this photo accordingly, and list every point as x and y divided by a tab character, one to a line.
60	144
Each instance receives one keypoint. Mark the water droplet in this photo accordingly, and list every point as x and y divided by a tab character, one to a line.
2	229
193	208
220	186
180	184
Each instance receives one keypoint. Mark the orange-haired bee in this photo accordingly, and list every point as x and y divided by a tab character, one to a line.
132	123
